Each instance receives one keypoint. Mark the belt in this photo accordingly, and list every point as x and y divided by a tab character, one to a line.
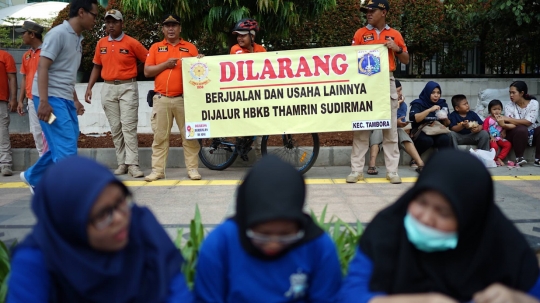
116	82
162	95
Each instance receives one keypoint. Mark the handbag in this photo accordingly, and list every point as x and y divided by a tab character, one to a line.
431	129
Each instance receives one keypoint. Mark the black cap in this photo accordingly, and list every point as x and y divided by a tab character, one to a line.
29	26
380	4
170	18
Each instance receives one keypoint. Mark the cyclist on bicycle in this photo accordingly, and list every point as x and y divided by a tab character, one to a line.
245	31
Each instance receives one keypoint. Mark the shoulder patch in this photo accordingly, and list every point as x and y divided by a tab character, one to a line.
102	50
368	37
124	51
163	48
182	49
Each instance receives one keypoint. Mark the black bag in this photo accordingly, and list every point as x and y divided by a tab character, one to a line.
150	97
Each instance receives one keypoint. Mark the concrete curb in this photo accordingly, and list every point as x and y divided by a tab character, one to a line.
328	156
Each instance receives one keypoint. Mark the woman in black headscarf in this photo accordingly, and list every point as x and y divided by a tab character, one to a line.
270	251
91	244
444	240
423	110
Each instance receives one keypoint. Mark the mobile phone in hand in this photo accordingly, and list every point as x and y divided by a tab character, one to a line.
52	118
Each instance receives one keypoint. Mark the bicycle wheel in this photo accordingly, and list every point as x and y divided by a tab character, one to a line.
300	150
218	153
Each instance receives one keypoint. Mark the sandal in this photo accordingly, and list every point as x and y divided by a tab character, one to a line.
419	169
372	170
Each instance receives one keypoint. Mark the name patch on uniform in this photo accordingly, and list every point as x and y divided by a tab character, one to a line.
368	37
124	51
162	49
103	50
386	37
183	49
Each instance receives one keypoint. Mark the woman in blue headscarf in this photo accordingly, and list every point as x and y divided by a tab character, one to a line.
423	110
91	244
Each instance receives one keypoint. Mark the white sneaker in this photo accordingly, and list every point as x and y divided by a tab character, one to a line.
193	174
393	177
23	178
354	177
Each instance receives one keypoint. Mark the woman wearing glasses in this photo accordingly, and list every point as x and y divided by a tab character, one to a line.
91	244
270	251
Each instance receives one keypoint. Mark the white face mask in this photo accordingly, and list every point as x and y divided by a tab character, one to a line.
426	238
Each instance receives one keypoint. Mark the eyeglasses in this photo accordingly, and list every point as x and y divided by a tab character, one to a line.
263	239
93	14
105	217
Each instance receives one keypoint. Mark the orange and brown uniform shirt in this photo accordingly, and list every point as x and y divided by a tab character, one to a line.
169	81
29	66
7	66
118	57
257	48
370	35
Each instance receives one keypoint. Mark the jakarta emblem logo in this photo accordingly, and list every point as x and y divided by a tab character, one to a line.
199	74
369	62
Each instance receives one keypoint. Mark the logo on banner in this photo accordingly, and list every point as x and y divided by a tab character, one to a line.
197	130
199	75
369	62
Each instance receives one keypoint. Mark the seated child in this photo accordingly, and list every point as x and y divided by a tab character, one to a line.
270	251
466	125
495	126
404	139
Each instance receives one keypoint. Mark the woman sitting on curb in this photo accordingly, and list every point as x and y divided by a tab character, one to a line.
91	244
523	113
270	251
441	243
423	111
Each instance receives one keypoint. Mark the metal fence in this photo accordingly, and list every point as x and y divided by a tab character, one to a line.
474	65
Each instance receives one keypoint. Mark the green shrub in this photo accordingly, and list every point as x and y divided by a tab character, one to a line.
345	236
5	268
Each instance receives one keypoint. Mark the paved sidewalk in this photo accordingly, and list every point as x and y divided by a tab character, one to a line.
173	200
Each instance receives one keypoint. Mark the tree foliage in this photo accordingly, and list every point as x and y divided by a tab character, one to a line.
215	18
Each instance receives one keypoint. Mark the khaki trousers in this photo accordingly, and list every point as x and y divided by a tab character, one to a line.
5	143
389	144
121	105
35	129
164	111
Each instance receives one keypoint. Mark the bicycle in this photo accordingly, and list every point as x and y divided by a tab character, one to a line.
220	153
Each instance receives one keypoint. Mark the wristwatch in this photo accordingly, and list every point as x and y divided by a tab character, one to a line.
400	51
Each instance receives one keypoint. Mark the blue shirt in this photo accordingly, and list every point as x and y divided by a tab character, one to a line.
402	111
227	273
29	280
455	119
355	287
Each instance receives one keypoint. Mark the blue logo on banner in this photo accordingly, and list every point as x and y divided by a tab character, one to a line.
369	62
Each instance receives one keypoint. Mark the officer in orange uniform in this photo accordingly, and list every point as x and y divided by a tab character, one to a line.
115	59
245	31
378	32
32	36
164	64
8	103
